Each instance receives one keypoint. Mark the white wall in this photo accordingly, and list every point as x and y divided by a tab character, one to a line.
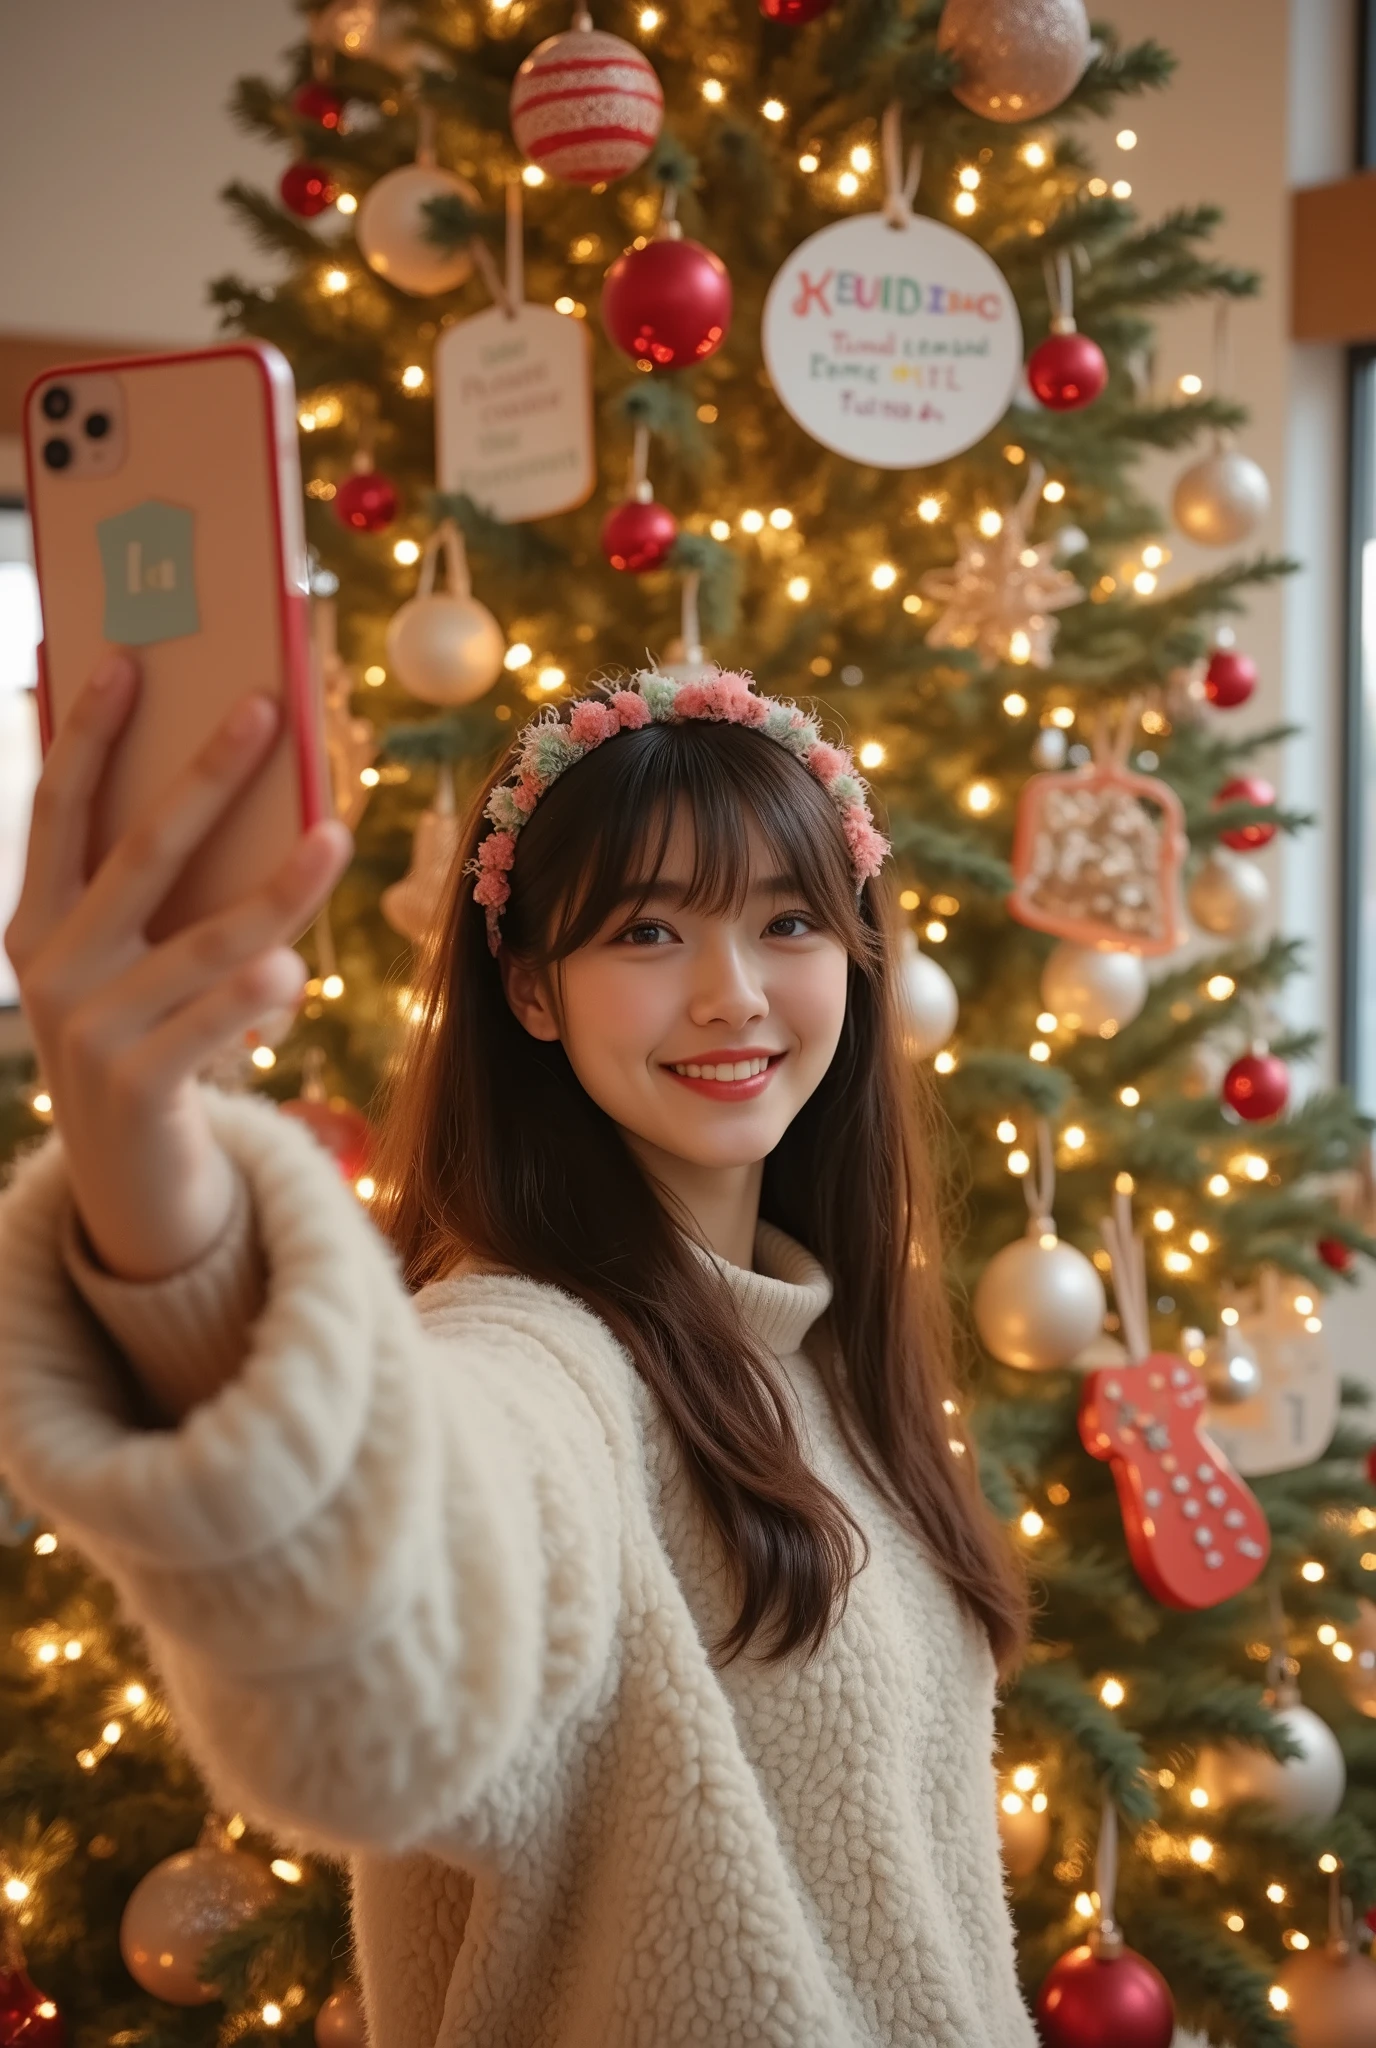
114	142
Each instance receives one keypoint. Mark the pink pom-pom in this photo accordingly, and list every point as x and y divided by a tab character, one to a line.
491	889
827	762
526	793
631	710
740	703
868	848
497	851
591	722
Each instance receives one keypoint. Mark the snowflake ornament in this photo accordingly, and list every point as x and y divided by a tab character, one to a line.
1000	593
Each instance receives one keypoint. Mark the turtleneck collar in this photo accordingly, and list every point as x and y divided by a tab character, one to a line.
783	1297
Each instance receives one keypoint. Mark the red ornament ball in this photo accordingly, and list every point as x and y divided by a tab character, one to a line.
1251	789
638	535
366	501
793	13
1229	679
586	106
307	189
318	102
1067	371
1090	2001
667	305
1257	1086
1335	1253
27	2015
339	1127
1371	1481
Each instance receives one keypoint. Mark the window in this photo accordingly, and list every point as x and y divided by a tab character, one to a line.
19	753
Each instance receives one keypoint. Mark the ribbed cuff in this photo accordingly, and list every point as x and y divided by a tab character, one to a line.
186	1336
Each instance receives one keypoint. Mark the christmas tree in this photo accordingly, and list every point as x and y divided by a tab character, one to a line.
950	554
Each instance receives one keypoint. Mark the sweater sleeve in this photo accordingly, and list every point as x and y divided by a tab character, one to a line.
379	1569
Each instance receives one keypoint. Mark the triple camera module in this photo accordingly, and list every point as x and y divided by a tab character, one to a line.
57	405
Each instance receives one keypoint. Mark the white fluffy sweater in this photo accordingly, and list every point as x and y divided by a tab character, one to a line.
428	1590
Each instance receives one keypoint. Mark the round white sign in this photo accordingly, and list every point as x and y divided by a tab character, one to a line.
896	346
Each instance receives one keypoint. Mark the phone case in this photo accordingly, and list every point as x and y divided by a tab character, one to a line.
173	525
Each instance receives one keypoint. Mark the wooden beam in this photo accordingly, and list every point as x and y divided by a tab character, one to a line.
1333	261
23	356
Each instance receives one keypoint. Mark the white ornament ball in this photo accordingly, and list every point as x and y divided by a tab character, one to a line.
1229	896
1050	747
1094	988
183	1905
390	228
927	999
1018	58
1038	1303
586	106
1308	1787
444	648
1023	1834
1221	500
339	2022
1232	1371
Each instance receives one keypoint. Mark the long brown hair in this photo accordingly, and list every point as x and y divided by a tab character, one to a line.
492	1149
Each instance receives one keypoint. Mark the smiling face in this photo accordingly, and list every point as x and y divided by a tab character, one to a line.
700	1030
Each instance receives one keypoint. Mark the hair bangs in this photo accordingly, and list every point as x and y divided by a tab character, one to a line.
597	841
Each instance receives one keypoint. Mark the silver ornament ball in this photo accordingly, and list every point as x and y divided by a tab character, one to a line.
444	648
183	1905
1308	1787
1232	1372
1018	58
1229	896
390	229
1038	1303
1221	500
927	1001
1094	988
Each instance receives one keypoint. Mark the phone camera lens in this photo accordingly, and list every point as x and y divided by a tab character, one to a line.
98	425
57	453
57	402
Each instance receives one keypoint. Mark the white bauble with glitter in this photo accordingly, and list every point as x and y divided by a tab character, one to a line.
927	1001
1038	1302
445	648
1229	895
1222	499
390	229
1094	988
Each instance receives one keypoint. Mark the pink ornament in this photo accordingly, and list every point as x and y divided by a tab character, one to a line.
1067	371
1257	1086
1229	679
638	535
366	501
1108	2001
586	106
667	305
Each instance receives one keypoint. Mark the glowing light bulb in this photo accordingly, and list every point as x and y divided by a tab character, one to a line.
290	1873
1011	1803
1074	1137
979	798
517	655
1278	1998
1235	1923
883	575
848	184
1217	1184
649	19
272	2015
1045	1021
412	377
1199	1797
365	1187
375	676
1312	1571
773	110
861	158
263	1057
1201	1849
808	163
1126	138
1304	1305
564	304
551	678
1031	1523
1328	1864
1007	1131
16	1890
798	588
532	175
928	510
781	518
334	282
1190	384
752	522
1025	1777
1129	1097
1039	1050
1015	704
1054	491
1113	1692
1163	1219
713	91
1018	1163
1153	557
1255	1167
72	1651
332	987
945	1063
406	552
1219	987
1019	647
41	1103
912	602
965	203
720	529
135	1694
1034	155
1084	1905
1200	1241
1275	1892
935	930
990	522
346	203
871	754
969	178
1144	583
45	1545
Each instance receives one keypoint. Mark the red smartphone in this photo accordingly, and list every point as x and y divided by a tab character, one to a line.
165	497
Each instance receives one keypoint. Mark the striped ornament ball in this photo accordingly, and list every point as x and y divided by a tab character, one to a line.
586	107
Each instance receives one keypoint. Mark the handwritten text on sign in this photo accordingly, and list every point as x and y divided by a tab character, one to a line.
893	346
513	412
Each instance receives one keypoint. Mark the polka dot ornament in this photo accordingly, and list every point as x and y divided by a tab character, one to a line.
586	107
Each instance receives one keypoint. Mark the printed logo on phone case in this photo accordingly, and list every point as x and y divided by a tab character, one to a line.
150	581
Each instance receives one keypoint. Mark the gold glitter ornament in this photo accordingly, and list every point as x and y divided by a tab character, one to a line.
181	1907
1018	58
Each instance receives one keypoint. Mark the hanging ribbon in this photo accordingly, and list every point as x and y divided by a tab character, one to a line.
446	540
1107	1939
900	180
691	628
1039	1185
1059	272
1128	1262
638	484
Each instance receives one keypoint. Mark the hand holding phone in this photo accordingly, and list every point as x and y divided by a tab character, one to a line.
123	1024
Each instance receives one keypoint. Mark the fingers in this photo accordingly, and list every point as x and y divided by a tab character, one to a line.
139	871
189	965
152	1065
59	835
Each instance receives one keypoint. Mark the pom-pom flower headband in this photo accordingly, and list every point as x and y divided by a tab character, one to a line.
551	744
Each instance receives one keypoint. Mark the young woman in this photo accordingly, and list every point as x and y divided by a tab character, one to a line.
621	1604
